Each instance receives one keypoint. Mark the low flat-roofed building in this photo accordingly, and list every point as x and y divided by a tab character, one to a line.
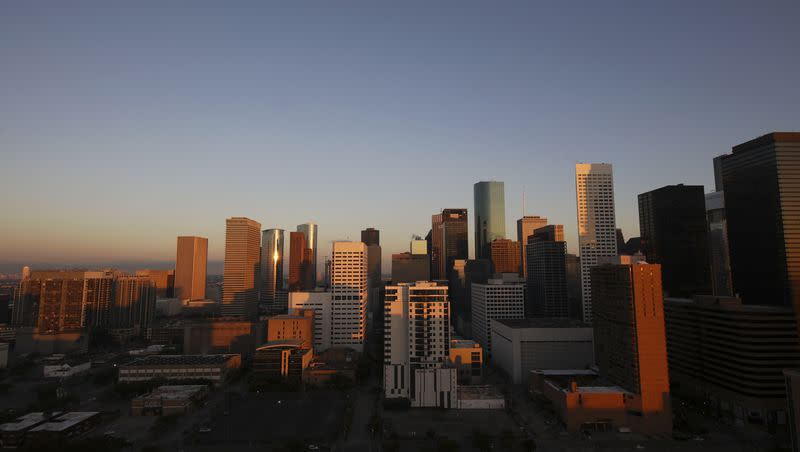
285	358
467	356
522	345
40	428
168	400
582	402
222	336
337	361
214	368
12	434
732	355
299	324
480	398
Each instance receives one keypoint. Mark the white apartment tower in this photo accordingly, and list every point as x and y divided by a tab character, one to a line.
417	345
497	299
597	237
348	294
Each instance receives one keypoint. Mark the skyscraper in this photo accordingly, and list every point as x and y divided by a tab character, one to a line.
310	231
240	276
597	235
525	227
190	268
163	281
718	247
371	236
271	267
672	220
348	294
133	306
547	277
490	216
449	241
762	205
97	298
299	262
630	340
505	255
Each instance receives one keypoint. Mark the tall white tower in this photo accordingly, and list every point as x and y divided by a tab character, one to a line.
348	294
597	235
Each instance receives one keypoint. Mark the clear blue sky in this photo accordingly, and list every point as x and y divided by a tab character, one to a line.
123	125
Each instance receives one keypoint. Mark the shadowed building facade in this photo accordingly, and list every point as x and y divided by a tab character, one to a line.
300	256
241	273
762	204
672	220
547	277
190	268
525	227
310	230
449	241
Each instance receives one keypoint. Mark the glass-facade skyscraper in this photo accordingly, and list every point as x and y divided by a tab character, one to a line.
490	216
271	265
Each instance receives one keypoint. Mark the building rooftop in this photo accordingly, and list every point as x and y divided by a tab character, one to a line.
65	421
726	303
482	392
770	138
179	360
464	343
297	343
174	392
25	422
544	322
565	372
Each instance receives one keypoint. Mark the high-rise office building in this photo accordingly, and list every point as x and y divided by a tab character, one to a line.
163	281
672	220
597	235
449	241
497	299
133	307
490	216
240	276
311	233
573	271
97	298
348	294
547	277
762	205
417	343
525	227
718	247
272	269
505	255
190	268
300	256
413	266
51	301
630	340
371	236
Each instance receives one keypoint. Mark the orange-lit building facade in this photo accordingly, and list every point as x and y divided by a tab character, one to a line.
191	260
222	335
630	340
298	325
467	357
505	256
240	276
162	280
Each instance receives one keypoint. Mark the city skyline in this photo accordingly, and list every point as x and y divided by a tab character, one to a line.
245	102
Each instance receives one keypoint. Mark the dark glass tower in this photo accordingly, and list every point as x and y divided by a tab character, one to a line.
547	273
448	241
490	216
761	180
672	220
371	236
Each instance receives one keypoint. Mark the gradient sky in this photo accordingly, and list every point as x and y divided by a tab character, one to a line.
123	125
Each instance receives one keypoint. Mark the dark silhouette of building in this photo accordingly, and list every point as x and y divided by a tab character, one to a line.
572	263
672	220
409	268
505	256
300	256
448	241
547	277
762	204
371	236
